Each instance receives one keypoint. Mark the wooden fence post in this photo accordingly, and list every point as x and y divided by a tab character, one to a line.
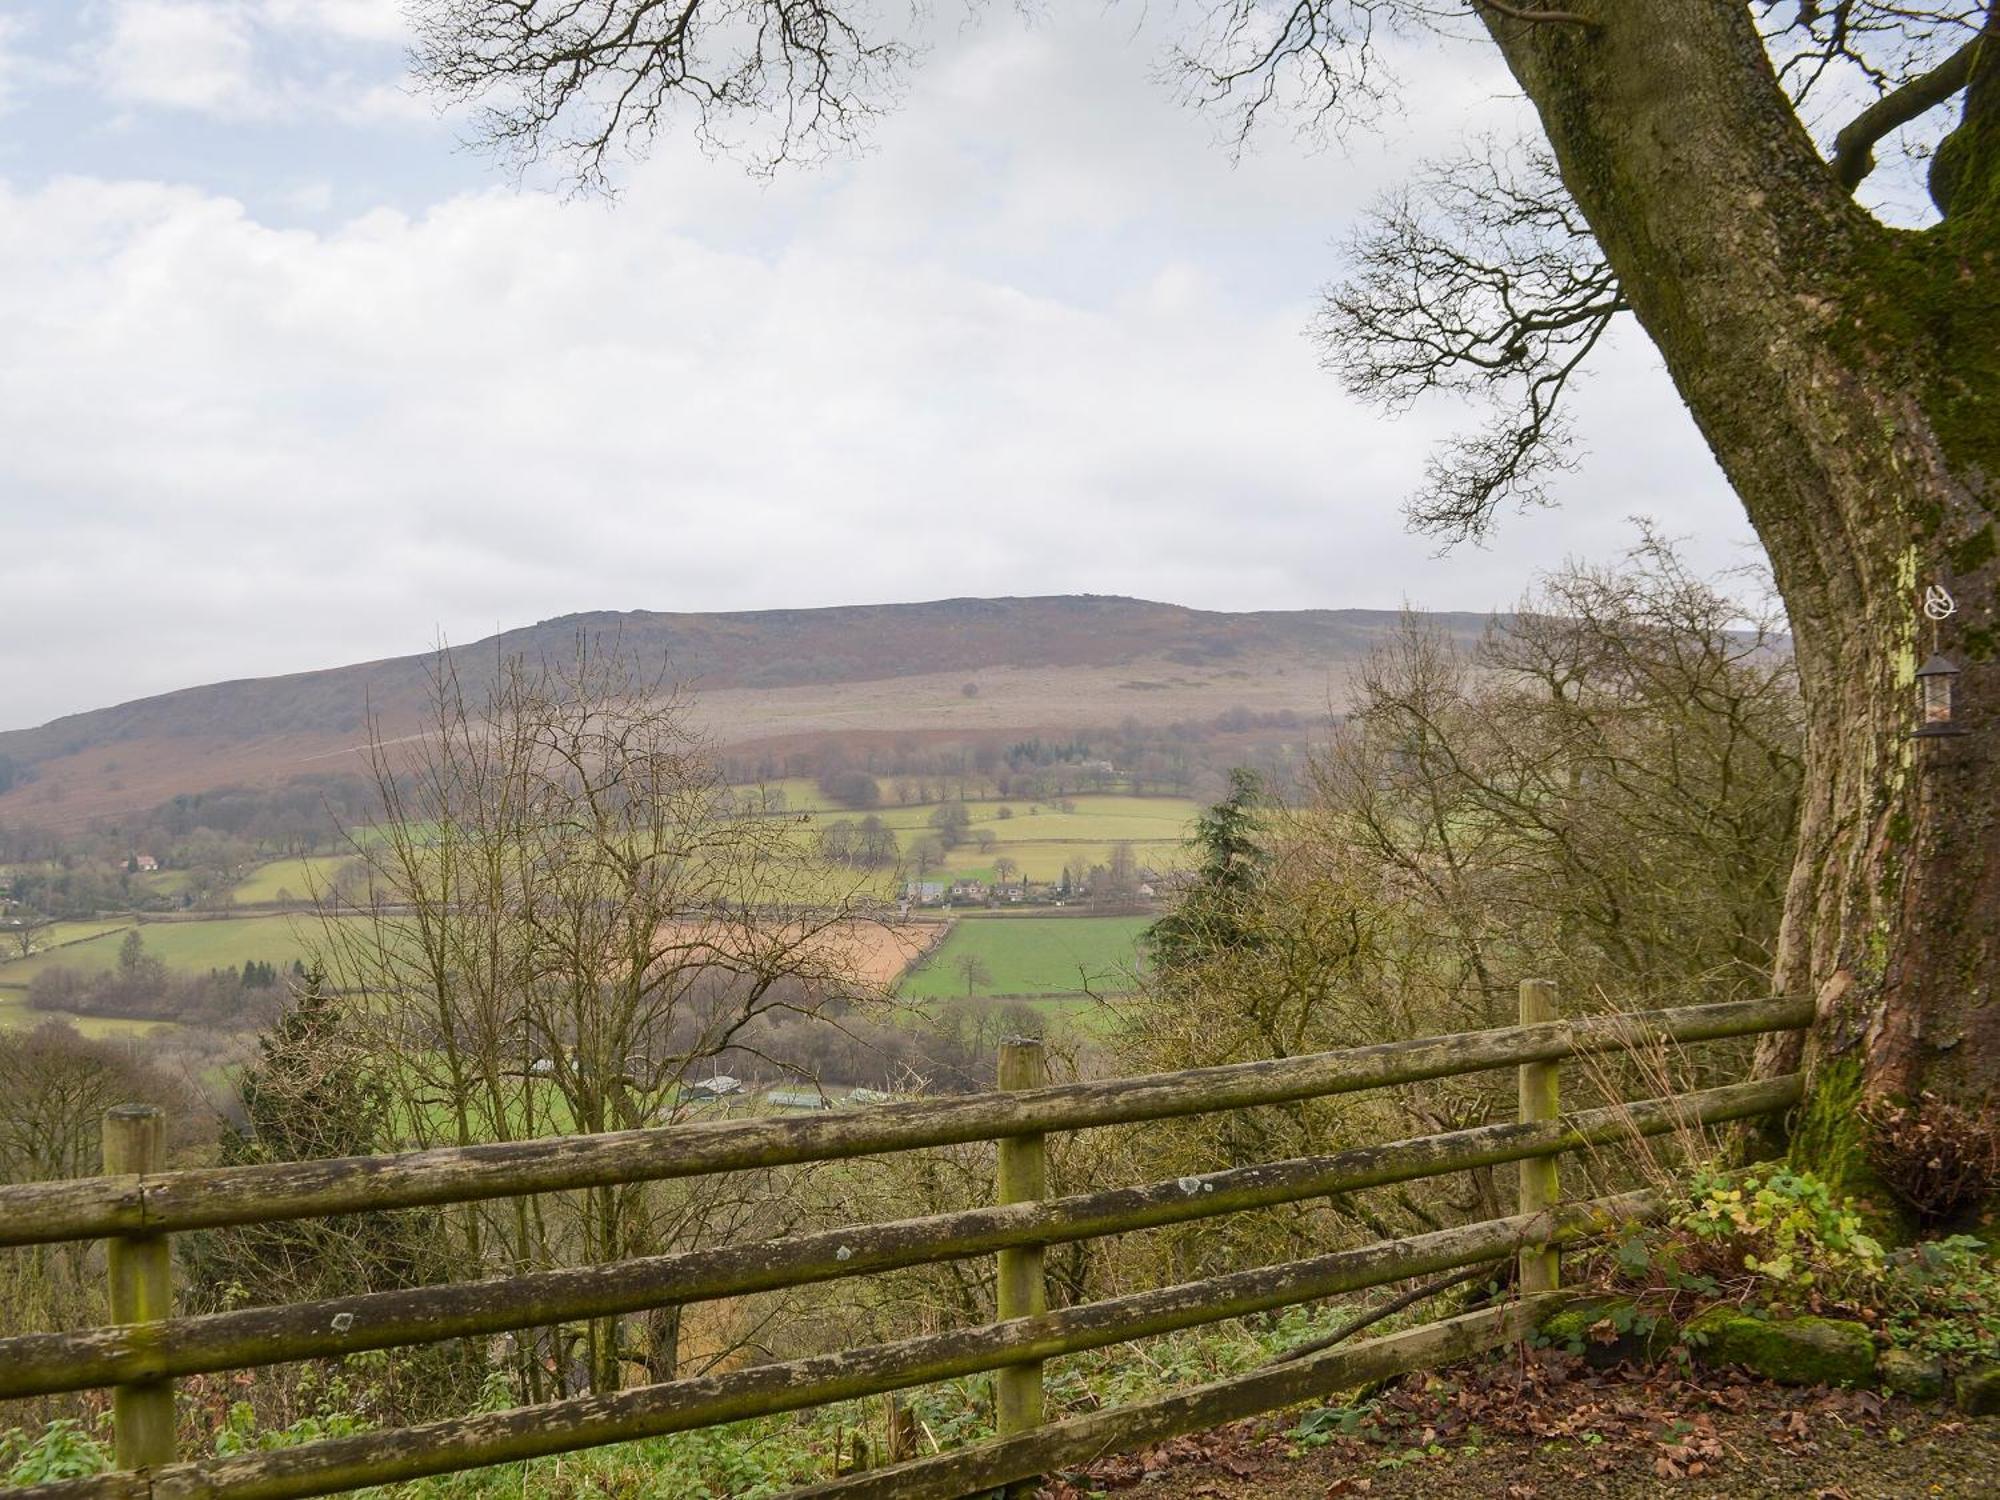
140	1267
1021	1291
1540	1264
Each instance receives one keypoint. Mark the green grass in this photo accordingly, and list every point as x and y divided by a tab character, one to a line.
1096	819
167	883
1039	839
552	1116
290	879
57	934
186	947
1032	956
801	794
15	1013
1045	861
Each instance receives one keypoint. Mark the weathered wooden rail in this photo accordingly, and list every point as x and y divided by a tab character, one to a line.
136	1207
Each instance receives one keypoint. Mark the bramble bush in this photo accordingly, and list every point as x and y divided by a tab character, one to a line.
1779	1239
1942	1298
1783	1229
61	1450
1771	1235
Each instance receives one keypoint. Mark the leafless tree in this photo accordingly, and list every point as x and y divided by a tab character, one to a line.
1604	791
569	916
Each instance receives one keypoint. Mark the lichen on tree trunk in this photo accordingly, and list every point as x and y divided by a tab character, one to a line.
1847	378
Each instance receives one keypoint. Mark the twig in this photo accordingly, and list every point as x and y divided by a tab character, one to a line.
1353	1326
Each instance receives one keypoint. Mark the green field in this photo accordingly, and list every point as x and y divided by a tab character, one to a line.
1040	839
15	1012
1045	861
1031	956
186	947
166	883
1099	819
56	934
298	880
1096	819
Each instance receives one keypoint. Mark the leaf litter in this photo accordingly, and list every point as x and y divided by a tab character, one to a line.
1542	1424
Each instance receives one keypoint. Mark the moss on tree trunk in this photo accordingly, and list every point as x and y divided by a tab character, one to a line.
1847	378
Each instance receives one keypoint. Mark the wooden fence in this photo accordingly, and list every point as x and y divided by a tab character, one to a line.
135	1207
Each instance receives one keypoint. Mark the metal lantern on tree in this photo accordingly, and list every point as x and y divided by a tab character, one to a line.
1934	687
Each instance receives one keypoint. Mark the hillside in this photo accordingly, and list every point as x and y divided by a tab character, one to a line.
776	677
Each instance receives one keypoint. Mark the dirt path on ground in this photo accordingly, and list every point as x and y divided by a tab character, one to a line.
1553	1429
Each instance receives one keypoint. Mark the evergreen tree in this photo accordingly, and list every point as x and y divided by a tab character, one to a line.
314	1093
1211	914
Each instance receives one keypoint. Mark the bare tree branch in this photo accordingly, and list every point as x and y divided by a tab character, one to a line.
1315	60
1482	279
1854	147
583	79
1884	44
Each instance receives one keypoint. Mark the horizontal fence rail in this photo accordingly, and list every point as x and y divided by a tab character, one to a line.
677	1406
983	1466
136	1209
39	1364
212	1197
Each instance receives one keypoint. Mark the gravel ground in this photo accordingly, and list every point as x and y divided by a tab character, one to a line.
1553	1431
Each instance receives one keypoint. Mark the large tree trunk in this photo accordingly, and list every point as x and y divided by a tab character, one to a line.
1847	377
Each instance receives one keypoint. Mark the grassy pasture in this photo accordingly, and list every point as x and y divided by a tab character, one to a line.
56	934
186	947
1098	819
1045	861
1101	819
1051	956
16	1013
800	793
290	879
167	883
1040	839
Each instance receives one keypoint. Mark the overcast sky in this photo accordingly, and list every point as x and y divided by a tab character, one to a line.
288	378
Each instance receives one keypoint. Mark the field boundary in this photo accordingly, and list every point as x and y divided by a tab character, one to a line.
137	1207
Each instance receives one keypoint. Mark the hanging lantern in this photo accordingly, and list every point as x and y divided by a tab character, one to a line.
1934	680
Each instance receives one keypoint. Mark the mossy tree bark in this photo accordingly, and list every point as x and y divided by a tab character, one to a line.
1847	377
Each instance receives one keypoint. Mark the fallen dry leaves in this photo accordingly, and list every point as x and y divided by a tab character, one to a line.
1661	1419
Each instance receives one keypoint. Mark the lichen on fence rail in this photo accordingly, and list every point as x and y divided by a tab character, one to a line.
209	1197
37	1364
146	1206
458	1443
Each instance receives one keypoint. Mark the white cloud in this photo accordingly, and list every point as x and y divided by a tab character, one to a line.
315	197
385	103
951	368
182	54
357	20
247	59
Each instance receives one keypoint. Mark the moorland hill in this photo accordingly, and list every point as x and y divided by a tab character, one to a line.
950	667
